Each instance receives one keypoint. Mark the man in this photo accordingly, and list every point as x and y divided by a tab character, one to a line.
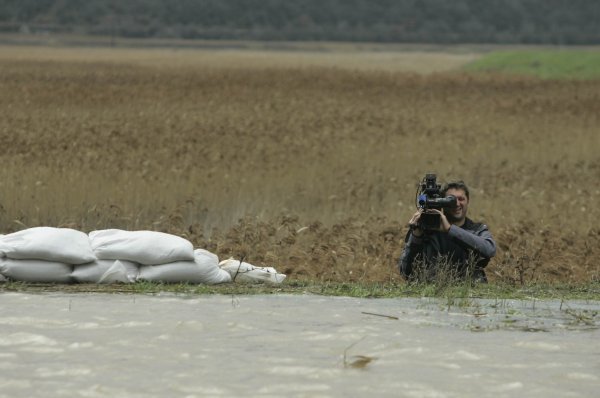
459	247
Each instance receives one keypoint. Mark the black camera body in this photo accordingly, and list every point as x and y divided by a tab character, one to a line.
430	197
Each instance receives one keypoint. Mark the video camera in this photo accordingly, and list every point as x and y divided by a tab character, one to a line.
430	197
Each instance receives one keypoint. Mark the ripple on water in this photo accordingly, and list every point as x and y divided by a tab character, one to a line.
581	376
24	338
40	323
290	388
539	345
66	372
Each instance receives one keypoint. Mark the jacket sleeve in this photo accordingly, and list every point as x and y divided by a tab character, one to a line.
480	240
412	247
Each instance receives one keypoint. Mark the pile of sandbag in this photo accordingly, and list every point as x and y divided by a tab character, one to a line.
44	254
241	271
63	255
161	257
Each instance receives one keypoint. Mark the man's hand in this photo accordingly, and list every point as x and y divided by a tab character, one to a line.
444	223
414	224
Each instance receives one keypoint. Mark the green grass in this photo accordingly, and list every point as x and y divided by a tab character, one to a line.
453	293
549	64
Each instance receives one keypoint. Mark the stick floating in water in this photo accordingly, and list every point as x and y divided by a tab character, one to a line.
385	316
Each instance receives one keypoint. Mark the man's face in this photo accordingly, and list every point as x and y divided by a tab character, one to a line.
459	212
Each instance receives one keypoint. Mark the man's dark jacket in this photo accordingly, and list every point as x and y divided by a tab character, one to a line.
467	249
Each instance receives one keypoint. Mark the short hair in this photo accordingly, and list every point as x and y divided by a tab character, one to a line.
460	184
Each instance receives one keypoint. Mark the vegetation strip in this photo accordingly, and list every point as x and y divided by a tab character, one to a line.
432	21
590	291
549	64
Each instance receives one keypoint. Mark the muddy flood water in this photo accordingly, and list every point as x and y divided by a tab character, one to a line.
113	345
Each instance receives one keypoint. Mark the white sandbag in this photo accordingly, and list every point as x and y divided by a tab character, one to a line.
204	269
63	245
38	271
106	271
3	247
143	247
244	272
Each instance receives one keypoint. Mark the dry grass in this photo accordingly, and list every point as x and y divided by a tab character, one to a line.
421	60
302	166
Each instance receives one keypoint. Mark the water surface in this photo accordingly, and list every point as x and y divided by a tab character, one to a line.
113	345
